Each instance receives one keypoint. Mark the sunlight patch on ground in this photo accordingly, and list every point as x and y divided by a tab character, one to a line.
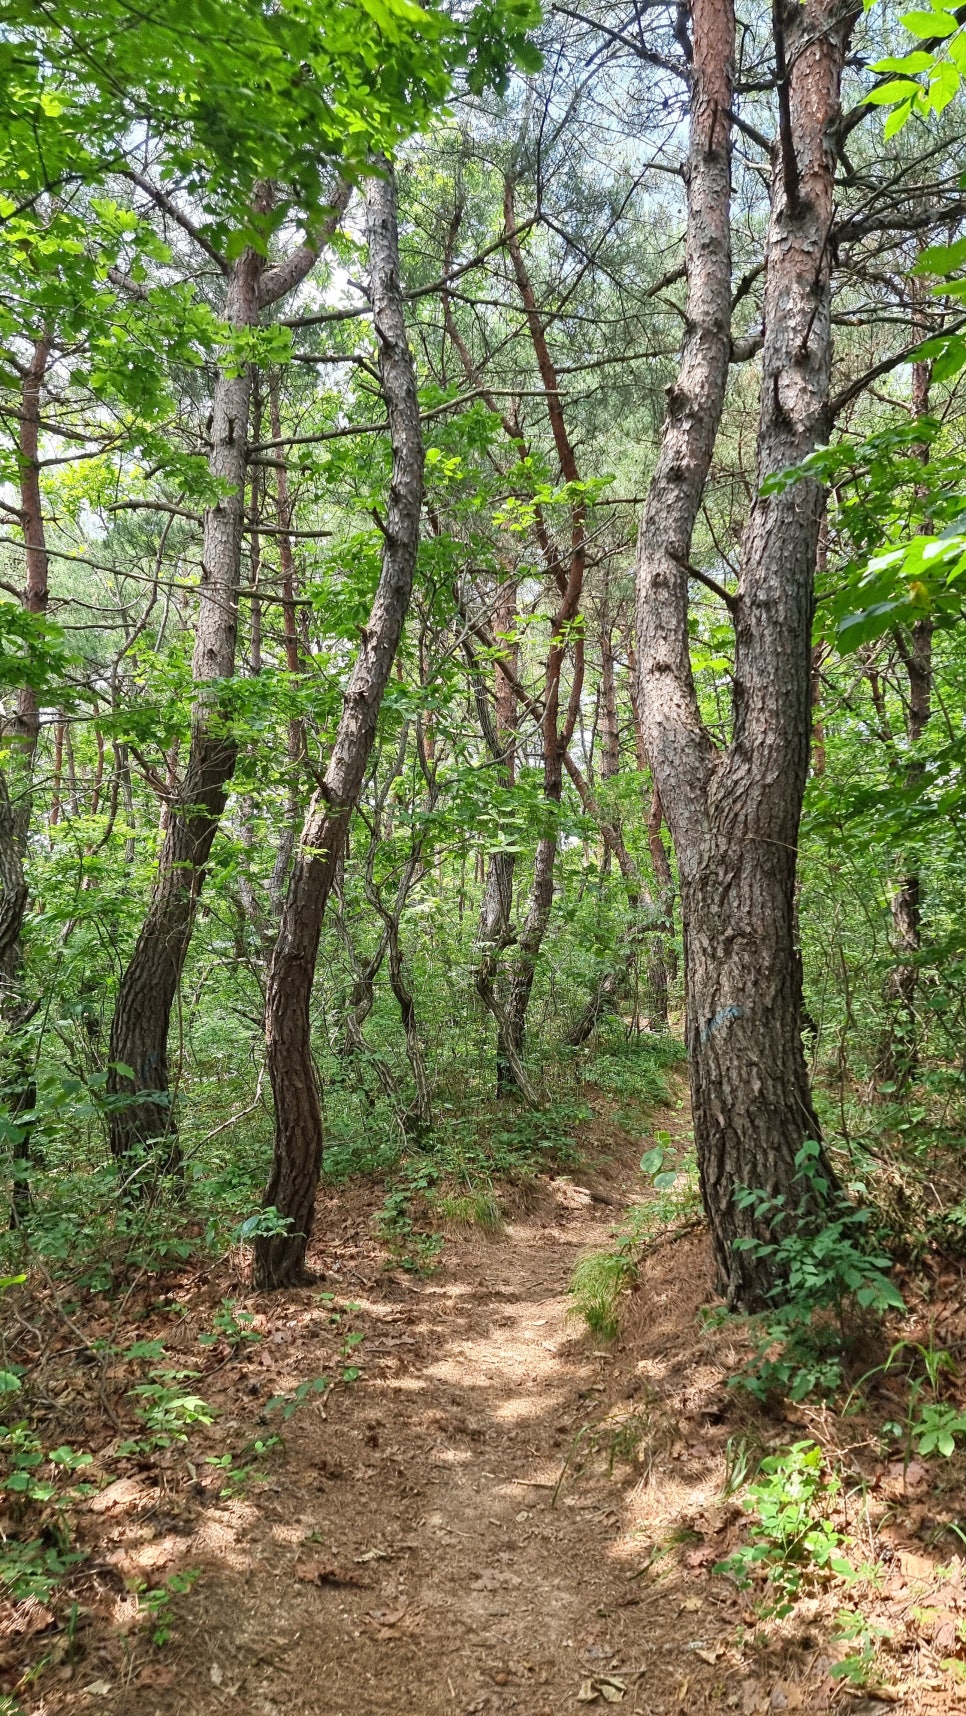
520	1406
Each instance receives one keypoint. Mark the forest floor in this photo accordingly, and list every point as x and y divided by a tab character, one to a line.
498	1514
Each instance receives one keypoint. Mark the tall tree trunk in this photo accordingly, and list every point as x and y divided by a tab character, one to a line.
570	585
496	907
734	814
662	961
142	1014
296	730
610	756
662	967
15	805
899	1049
280	1259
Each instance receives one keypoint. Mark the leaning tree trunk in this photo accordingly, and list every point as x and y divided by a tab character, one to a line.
280	1257
138	1073
734	815
142	1014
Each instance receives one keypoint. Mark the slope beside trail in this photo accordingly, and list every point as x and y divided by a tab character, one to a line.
498	1515
418	1552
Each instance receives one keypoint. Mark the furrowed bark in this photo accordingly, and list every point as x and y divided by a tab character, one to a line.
149	985
280	1258
735	816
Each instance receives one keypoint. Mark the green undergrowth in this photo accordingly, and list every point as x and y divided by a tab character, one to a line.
455	1176
80	1230
673	1200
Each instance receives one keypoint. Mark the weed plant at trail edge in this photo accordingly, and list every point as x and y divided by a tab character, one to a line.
601	1276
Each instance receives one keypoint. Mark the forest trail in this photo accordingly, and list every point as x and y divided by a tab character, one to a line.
418	1551
493	1512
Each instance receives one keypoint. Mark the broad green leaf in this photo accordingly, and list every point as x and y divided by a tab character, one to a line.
929	24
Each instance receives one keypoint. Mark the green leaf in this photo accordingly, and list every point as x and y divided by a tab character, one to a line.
929	24
943	86
888	93
917	61
896	120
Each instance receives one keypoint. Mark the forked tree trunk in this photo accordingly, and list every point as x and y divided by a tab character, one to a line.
297	1161
734	814
138	1073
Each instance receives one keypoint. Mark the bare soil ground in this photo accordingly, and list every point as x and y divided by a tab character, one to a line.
495	1516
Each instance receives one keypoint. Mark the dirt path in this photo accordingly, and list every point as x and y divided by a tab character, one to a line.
495	1515
417	1552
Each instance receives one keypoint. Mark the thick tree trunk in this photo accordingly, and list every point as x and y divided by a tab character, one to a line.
280	1259
750	1095
734	815
662	963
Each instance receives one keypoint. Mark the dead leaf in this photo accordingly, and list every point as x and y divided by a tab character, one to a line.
702	1557
588	1693
156	1675
786	1695
691	1605
389	1617
709	1656
97	1688
611	1689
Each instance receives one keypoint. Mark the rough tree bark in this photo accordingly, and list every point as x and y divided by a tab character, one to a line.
280	1258
142	1014
734	814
